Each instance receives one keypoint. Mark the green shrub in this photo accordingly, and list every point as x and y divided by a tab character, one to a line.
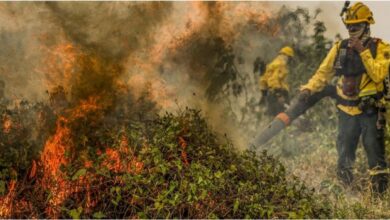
188	173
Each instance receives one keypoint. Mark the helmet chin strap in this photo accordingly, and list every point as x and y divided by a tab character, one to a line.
365	32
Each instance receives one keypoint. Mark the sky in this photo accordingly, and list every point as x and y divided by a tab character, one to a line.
331	16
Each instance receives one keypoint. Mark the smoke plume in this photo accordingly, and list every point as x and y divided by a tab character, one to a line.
167	51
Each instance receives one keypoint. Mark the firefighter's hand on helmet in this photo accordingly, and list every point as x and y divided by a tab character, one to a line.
304	95
356	44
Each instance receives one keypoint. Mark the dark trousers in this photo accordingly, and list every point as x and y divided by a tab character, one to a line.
350	130
276	100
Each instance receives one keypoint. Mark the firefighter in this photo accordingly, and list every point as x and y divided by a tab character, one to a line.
361	64
273	85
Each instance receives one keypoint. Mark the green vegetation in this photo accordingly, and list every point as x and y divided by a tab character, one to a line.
186	172
129	162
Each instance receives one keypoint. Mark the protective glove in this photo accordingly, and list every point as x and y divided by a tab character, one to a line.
356	44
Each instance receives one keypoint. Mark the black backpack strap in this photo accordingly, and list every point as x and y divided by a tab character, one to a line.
342	44
371	42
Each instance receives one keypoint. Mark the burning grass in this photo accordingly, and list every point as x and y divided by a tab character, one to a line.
171	166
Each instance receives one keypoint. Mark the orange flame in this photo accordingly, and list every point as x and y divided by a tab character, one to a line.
192	20
6	201
53	158
7	124
56	154
183	145
115	163
60	64
33	170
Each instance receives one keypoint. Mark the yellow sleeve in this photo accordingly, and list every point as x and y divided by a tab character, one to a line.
324	73
263	81
282	72
378	68
282	77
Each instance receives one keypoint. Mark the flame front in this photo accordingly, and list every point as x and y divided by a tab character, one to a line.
7	124
58	152
122	160
60	64
192	21
53	158
64	66
6	201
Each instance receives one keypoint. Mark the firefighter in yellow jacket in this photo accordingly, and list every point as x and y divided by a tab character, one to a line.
361	64
273	84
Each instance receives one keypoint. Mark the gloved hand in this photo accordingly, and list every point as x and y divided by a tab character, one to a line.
304	95
356	44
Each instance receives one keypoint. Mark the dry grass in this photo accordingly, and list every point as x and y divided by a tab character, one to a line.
313	159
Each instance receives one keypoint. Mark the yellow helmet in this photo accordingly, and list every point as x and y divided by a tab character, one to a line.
358	13
287	51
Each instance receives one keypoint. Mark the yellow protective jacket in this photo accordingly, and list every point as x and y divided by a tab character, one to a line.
275	75
371	82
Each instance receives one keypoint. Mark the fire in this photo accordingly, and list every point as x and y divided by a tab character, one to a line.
60	64
61	67
235	16
33	170
57	153
59	150
53	157
7	124
170	36
85	107
223	18
183	144
6	201
129	163
189	21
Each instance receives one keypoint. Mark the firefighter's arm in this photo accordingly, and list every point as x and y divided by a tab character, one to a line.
324	73
282	72
269	71
275	68
282	77
378	68
263	81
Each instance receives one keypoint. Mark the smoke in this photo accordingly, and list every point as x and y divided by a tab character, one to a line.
19	52
106	39
188	66
112	30
167	51
105	33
